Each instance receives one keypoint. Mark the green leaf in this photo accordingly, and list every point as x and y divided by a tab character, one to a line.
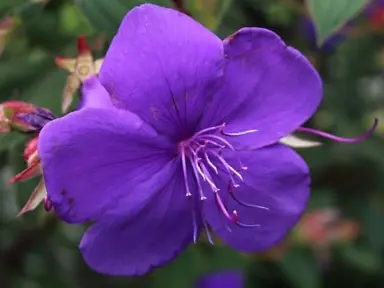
301	269
73	21
30	10
6	5
209	13
373	220
330	15
279	14
17	73
107	15
359	257
47	92
9	140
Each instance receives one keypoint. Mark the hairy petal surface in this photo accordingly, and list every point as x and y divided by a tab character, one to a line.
267	86
278	179
152	237
163	66
93	158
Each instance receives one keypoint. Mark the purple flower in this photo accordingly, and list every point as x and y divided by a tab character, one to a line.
372	6
186	140
374	11
223	279
375	14
309	30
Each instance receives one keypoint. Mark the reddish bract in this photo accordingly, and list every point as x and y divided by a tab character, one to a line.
80	68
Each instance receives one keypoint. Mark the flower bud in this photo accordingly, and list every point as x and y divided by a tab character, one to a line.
23	117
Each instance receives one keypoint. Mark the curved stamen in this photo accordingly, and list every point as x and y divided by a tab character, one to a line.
220	204
194	147
210	137
209	129
233	182
242	166
242	203
208	178
214	144
228	167
340	139
194	222
198	167
239	133
210	163
207	232
196	172
243	224
196	150
184	164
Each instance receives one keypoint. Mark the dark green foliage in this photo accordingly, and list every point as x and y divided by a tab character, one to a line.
38	251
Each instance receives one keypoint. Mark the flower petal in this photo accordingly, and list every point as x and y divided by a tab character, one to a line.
276	178
162	65
268	86
93	158
93	94
222	279
152	237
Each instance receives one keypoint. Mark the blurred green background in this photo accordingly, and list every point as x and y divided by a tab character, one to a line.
340	240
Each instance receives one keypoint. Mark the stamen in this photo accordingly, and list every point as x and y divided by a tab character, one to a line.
198	145
220	204
245	204
194	222
239	133
196	151
233	182
228	228
243	224
206	229
209	129
214	144
196	172
198	167
247	225
340	139
208	178
210	163
184	164
207	232
242	166
208	137
227	166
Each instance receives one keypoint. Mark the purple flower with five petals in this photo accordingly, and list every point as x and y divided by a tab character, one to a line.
182	136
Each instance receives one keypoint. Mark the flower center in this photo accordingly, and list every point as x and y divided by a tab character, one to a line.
203	152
